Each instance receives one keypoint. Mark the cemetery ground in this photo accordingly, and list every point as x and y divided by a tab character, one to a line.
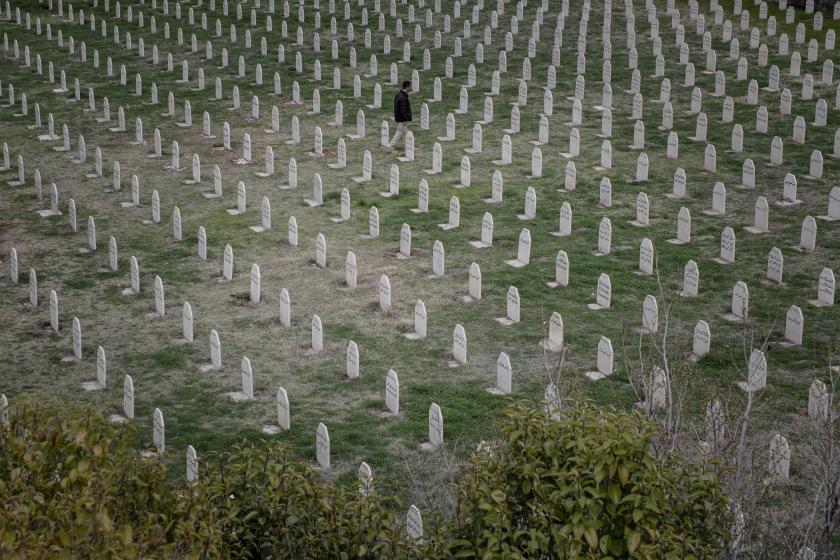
167	374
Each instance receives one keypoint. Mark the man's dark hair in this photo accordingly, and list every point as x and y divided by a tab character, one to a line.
406	83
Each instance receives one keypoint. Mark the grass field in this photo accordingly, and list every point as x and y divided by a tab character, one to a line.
167	375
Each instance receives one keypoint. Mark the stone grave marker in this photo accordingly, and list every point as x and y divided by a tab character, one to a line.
604	361
739	309
503	376
512	314
775	266
255	277
701	341
435	426
808	236
727	246
603	293
414	524
474	285
352	360
683	227
367	168
554	341
794	323
101	372
392	392
756	372
604	237
530	211
646	257
523	254
459	345
818	401
833	212
691	280
158	432
322	446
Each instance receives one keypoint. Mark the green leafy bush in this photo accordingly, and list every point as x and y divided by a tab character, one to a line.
73	485
269	507
585	485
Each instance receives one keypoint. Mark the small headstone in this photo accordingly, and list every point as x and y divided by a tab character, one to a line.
285	308
459	345
650	315
739	309
808	236
604	360
794	323
454	215
603	293
683	227
187	322
322	446
384	293
414	522
158	432
317	335
833	212
701	342
512	314
775	266
352	361
101	372
54	323
392	392
523	254
818	402
373	223
420	320
727	246
435	425
779	458
474	286
503	376
691	280
646	257
604	237
530	211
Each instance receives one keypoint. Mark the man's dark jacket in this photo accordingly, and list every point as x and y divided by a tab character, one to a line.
402	107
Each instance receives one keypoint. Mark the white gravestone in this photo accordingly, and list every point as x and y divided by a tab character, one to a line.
604	362
603	293
392	392
322	446
794	323
523	254
756	372
435	425
701	341
739	308
459	345
512	314
554	341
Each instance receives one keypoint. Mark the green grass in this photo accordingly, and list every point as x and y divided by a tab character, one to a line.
195	407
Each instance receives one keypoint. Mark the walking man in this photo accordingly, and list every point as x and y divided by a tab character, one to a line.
402	114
